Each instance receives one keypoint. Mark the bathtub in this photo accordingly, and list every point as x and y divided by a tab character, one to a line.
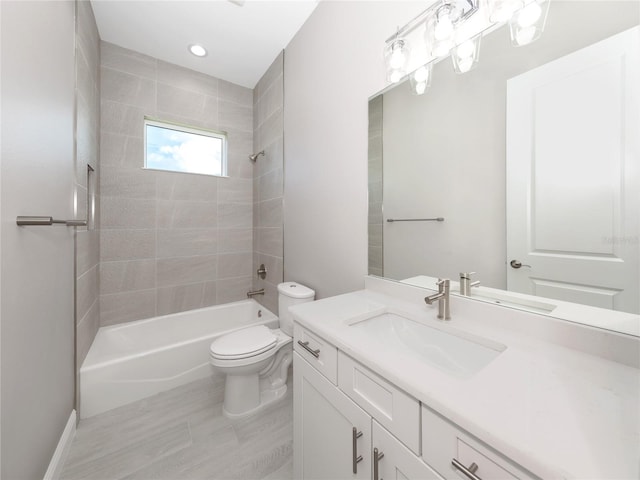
138	359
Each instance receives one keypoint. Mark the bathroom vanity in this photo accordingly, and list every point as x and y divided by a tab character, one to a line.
382	389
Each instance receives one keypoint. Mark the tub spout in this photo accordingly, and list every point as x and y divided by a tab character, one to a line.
255	292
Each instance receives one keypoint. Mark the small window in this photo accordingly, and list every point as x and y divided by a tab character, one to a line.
176	148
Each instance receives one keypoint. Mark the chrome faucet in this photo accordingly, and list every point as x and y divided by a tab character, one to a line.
443	299
255	292
466	283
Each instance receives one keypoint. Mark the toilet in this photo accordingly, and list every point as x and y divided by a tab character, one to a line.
256	360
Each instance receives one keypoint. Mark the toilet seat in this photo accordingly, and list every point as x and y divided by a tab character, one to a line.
245	343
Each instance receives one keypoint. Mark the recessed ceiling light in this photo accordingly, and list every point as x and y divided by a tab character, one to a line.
198	50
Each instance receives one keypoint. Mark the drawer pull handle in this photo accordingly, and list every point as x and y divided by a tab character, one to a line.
469	472
305	345
354	438
377	456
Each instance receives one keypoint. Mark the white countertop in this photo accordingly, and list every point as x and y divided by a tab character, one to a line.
558	412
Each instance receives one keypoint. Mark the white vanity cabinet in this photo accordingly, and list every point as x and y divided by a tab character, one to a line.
351	423
335	439
332	435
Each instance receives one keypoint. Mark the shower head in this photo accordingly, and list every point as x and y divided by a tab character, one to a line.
255	156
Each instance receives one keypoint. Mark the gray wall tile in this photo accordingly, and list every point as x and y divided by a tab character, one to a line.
128	61
118	212
186	270
127	244
179	298
87	291
234	240
185	79
128	275
126	88
187	242
127	306
232	265
86	330
232	289
182	214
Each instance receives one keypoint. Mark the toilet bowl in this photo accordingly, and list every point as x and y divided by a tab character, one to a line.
256	360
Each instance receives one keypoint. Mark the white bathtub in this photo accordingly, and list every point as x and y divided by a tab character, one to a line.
138	359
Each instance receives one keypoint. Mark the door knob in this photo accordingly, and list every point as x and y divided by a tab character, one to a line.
518	264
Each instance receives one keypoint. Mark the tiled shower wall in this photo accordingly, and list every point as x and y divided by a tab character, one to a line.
268	98
375	187
170	241
87	153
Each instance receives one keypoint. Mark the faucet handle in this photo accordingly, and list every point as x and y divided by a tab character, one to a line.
466	275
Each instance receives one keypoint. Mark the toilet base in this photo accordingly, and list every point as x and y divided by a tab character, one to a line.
266	398
249	393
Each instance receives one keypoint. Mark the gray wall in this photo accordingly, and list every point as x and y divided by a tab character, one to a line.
37	364
268	96
328	80
87	153
169	241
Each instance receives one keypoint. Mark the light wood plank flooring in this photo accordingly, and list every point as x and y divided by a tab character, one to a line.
182	434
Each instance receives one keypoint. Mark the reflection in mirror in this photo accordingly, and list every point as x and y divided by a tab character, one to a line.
531	159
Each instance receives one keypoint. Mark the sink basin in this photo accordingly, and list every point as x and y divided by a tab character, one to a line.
461	357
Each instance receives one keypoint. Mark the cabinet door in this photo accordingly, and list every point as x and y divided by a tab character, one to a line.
324	419
395	461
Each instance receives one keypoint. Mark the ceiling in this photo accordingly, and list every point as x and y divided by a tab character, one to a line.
242	37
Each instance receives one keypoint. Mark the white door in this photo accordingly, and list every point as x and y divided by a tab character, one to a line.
573	180
37	155
324	419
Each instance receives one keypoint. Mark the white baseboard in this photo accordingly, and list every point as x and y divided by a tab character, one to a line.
62	450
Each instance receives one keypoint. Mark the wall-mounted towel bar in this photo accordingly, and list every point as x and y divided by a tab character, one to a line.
438	219
27	221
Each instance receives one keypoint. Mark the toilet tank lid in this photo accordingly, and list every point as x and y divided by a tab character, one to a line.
295	290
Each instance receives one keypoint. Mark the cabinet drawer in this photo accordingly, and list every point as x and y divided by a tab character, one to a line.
391	407
442	442
317	351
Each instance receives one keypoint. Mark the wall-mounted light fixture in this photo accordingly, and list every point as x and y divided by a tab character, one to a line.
444	34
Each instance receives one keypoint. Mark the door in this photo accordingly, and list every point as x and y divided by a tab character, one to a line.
324	419
37	158
573	183
394	460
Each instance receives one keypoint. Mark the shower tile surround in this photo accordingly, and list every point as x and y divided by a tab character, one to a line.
268	106
87	153
170	241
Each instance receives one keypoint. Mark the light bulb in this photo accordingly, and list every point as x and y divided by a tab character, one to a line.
420	88
529	15
397	58
395	76
442	48
525	35
443	28
421	75
465	64
466	49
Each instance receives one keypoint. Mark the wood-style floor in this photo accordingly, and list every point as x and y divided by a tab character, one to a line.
182	434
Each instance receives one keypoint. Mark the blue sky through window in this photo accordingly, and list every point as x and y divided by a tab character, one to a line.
169	148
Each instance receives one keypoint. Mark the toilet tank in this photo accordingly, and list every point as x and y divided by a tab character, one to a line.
289	294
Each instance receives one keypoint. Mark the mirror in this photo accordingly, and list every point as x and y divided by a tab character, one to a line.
531	158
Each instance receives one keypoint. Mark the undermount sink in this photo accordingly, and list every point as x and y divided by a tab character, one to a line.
454	354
